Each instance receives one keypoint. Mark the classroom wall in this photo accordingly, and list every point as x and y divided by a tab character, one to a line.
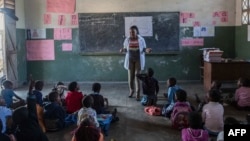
69	66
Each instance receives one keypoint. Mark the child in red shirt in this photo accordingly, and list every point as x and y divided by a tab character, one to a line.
73	98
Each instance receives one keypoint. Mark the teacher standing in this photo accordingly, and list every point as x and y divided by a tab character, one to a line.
135	48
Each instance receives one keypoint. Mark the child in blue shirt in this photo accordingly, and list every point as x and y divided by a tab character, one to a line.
172	88
38	92
54	111
25	119
6	113
7	93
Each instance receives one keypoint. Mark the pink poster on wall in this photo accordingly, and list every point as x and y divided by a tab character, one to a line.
61	6
192	42
62	33
61	20
40	50
74	19
47	19
67	47
198	42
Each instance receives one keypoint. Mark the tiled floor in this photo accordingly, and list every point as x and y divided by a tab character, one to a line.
134	124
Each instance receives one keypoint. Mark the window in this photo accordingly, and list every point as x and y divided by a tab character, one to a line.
245	19
10	4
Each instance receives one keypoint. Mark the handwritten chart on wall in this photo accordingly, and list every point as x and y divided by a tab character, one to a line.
105	32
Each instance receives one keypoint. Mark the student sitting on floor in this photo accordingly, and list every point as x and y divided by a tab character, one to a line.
228	121
38	92
25	119
87	110
170	95
242	94
8	93
3	136
194	132
54	114
150	87
181	110
215	85
99	102
87	131
5	115
73	98
60	88
212	114
38	84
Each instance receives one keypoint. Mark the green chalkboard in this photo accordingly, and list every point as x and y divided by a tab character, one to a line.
105	32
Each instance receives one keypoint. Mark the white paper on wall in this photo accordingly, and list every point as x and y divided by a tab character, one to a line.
38	33
203	31
143	23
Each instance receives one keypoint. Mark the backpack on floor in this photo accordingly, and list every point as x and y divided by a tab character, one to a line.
179	116
153	110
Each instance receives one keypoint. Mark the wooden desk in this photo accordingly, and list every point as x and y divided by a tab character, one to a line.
224	72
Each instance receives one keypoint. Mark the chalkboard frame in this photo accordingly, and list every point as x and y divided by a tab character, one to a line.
88	25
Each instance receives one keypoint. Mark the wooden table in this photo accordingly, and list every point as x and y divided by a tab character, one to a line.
224	72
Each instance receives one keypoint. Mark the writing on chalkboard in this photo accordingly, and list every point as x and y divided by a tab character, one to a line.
105	32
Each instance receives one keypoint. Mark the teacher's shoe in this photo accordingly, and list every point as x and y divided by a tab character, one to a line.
137	98
131	94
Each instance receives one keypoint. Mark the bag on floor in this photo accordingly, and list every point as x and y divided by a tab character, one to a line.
153	110
179	116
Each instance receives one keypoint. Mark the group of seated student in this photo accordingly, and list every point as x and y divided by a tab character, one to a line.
202	122
21	123
38	116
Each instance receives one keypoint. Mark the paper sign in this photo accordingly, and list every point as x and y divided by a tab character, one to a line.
192	42
198	42
61	20
47	19
203	31
40	50
61	6
185	14
67	47
144	24
74	19
63	34
37	33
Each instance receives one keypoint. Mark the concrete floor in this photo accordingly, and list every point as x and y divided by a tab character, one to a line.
135	124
